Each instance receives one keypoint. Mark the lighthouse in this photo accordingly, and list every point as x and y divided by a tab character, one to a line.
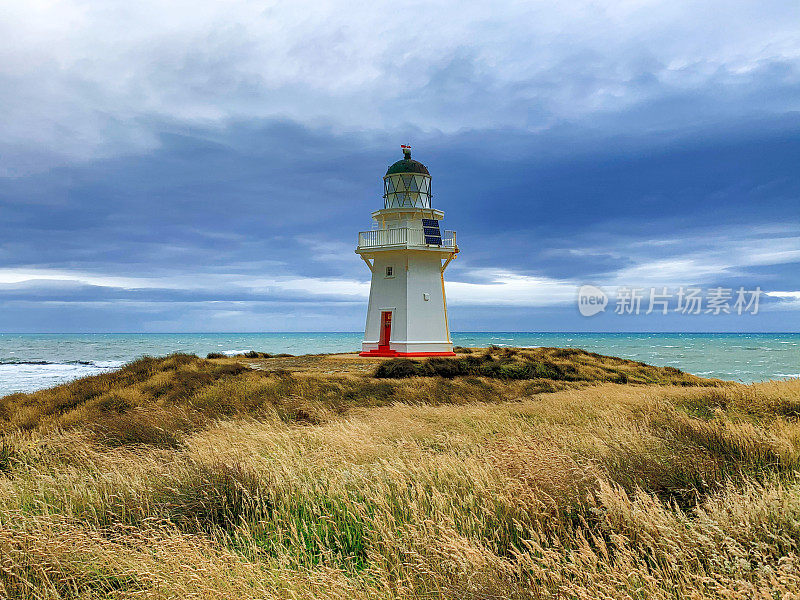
407	253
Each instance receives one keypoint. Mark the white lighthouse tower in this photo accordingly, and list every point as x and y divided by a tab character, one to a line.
407	253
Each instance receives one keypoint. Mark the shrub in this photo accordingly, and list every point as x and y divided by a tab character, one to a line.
396	368
514	371
546	370
484	365
476	361
248	354
515	364
444	367
215	355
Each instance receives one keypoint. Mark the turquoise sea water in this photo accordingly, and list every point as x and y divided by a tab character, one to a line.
34	361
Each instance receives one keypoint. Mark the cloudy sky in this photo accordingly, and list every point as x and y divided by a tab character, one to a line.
205	166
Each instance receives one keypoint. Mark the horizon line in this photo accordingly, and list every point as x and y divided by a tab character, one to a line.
360	332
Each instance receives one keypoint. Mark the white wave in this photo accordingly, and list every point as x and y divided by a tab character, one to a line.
108	364
31	377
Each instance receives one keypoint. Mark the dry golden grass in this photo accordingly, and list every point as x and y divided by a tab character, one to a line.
156	401
310	485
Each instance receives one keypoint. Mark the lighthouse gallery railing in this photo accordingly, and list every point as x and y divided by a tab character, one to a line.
401	236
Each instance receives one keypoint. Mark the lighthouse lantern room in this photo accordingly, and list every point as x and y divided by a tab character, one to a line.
407	253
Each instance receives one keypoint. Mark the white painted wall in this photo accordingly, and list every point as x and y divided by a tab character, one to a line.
418	325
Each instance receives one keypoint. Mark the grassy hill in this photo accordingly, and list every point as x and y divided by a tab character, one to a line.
545	473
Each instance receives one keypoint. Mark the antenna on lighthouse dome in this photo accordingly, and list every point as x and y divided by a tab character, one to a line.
406	151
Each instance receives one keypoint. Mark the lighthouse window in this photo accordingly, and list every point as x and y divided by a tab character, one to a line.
407	189
389	272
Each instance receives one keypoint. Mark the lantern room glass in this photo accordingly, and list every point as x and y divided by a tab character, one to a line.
407	190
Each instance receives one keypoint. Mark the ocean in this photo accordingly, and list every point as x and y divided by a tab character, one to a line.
34	361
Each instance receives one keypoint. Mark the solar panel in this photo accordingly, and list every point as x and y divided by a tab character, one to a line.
433	234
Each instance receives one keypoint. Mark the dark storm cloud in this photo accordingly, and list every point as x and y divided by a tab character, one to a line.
208	214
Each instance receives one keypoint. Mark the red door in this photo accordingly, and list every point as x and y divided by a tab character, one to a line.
386	330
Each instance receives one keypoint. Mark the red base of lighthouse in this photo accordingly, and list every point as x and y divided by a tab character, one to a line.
389	353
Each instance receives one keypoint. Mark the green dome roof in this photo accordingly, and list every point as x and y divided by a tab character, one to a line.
407	166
